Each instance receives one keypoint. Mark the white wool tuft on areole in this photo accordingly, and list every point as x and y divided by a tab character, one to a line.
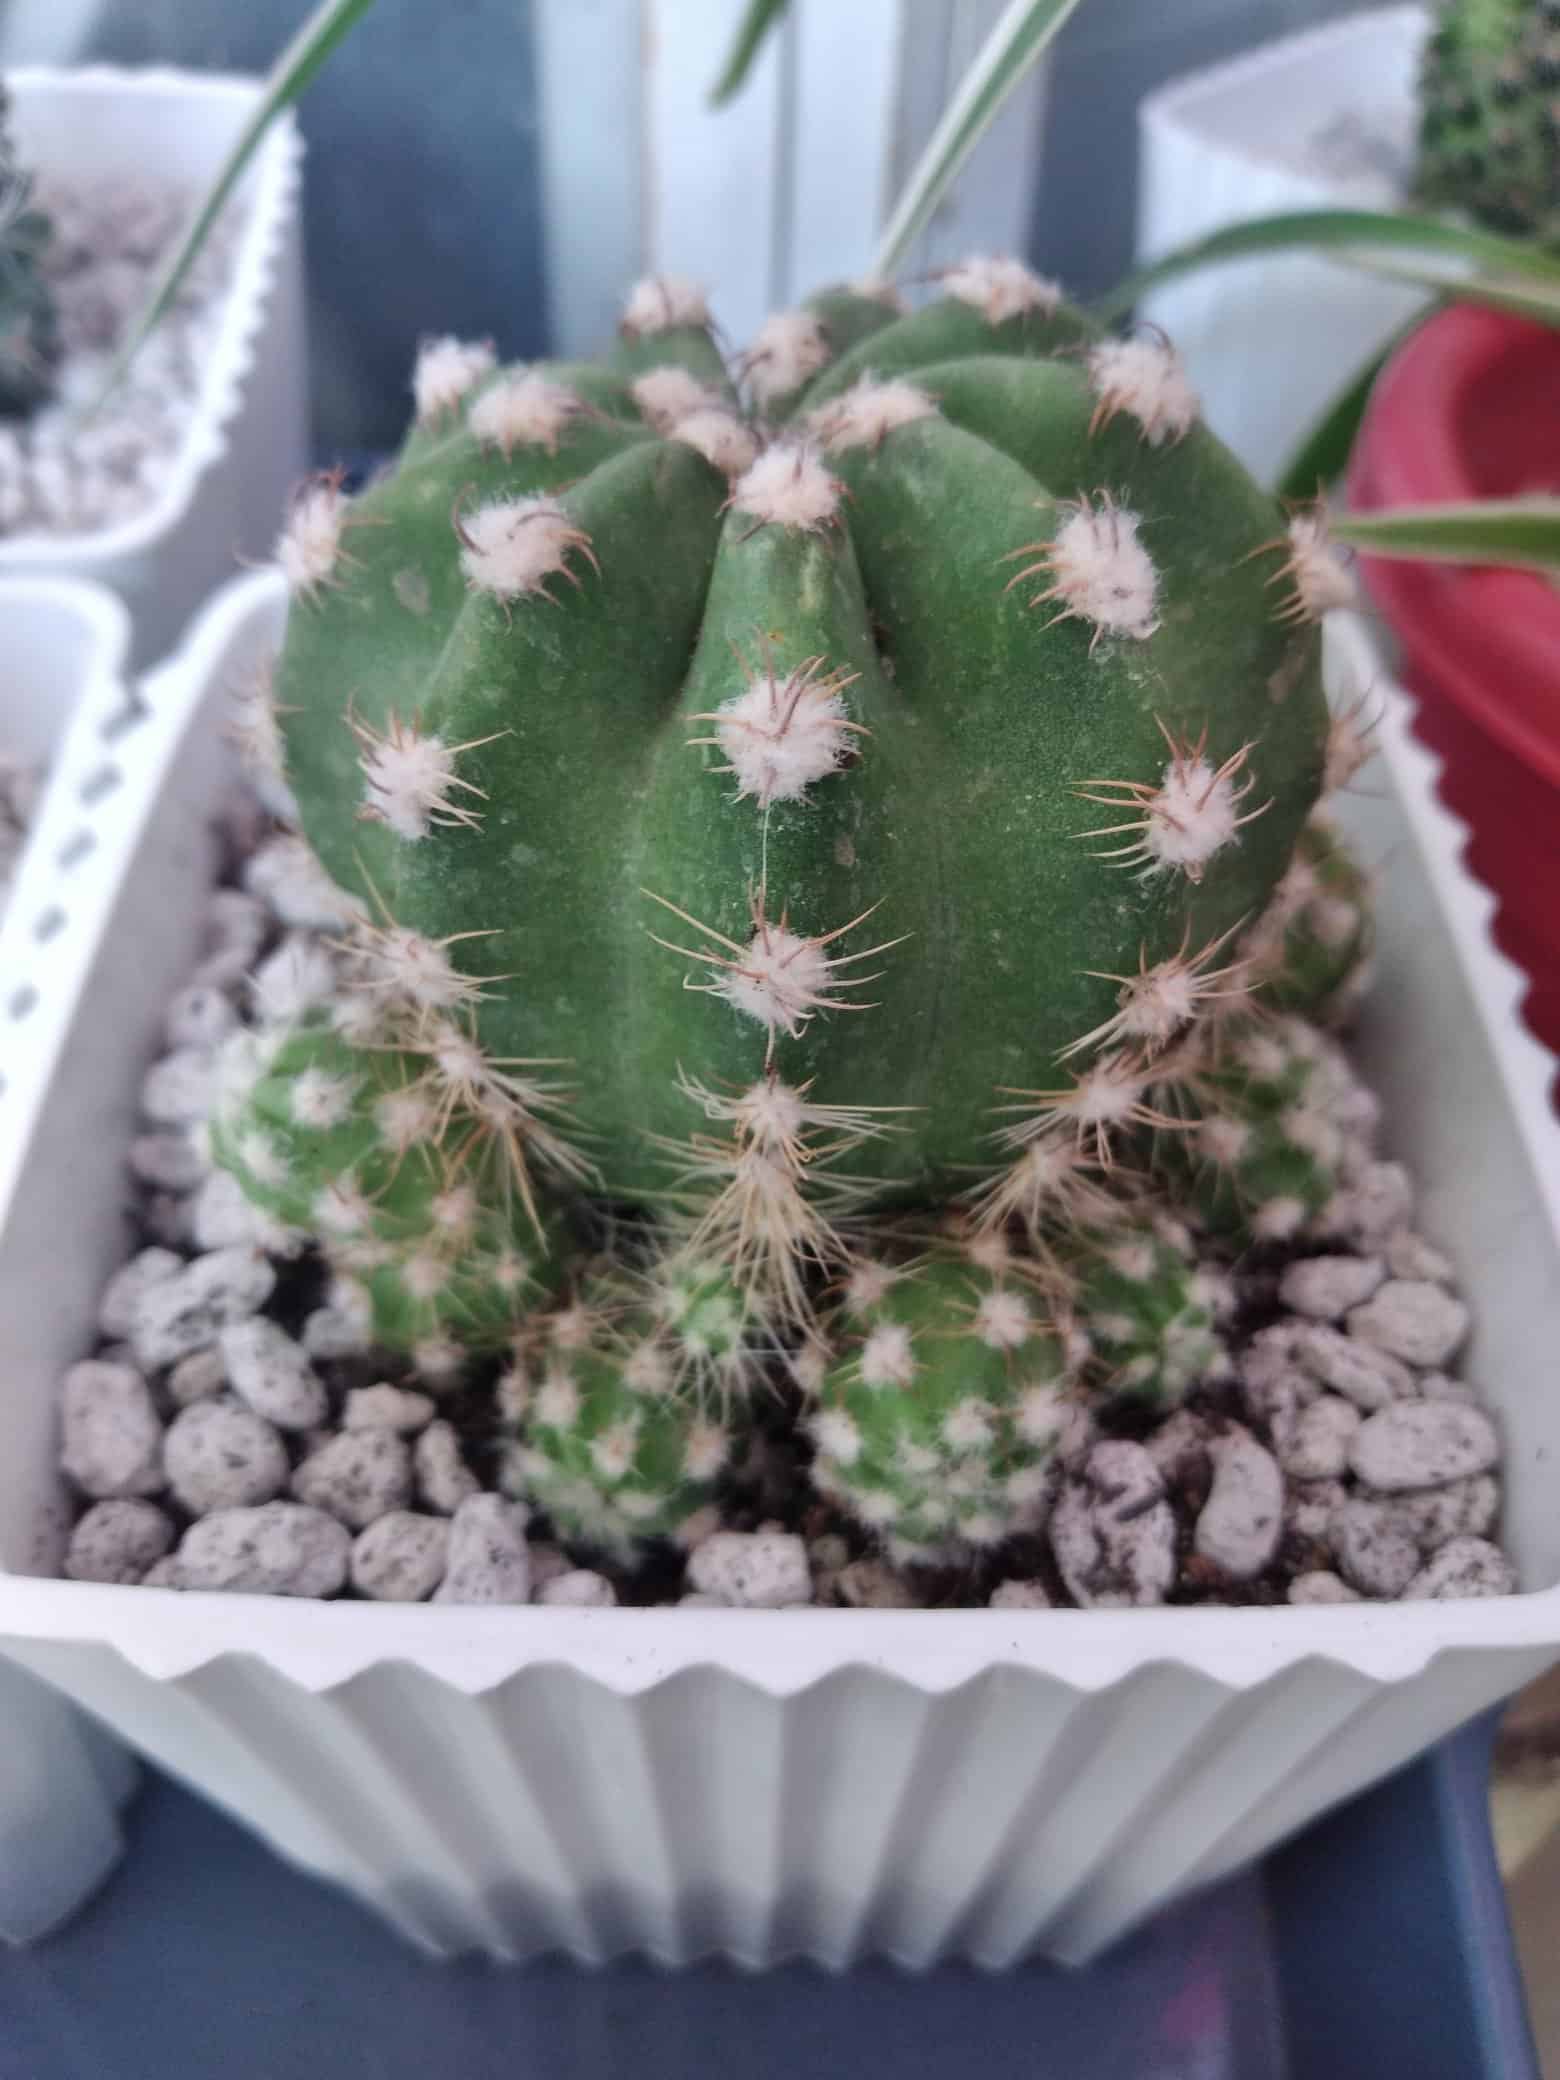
309	545
1223	1140
446	369
512	546
705	1451
788	348
340	1208
887	1358
612	1453
403	966
524	410
665	395
409	781
788	487
262	1159
1279	1219
724	440
837	1436
663	302
1101	572
1000	287
1147	379
781	735
1194	815
406	1117
557	1403
320	1101
868	412
1321	580
967	1427
1003	1320
867	1284
781	980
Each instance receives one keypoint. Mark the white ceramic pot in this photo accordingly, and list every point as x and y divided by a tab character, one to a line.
835	1782
247	440
62	1780
1326	120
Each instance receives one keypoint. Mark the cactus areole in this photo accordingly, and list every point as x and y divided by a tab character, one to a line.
804	759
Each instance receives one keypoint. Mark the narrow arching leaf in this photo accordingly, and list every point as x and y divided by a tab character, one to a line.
1518	531
1336	232
1017	42
1323	454
294	69
1526	298
761	17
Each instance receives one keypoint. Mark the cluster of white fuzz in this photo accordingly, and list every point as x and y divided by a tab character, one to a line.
789	487
726	442
409	779
309	545
1319	579
1185	818
512	546
524	409
446	369
1146	378
868	412
1099	571
787	351
782	734
664	303
665	395
1000	288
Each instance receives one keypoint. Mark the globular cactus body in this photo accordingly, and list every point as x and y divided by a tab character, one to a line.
1310	952
1490	114
1151	1316
940	1406
851	729
27	328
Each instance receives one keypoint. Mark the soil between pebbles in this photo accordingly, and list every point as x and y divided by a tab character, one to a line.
233	1429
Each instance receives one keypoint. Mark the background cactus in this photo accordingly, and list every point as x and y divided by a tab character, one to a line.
941	1402
27	333
1310	951
1150	1314
808	776
1490	126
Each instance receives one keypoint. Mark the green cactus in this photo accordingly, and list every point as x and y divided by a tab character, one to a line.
941	1389
606	1443
1151	1316
381	1154
1310	951
1489	137
913	701
27	330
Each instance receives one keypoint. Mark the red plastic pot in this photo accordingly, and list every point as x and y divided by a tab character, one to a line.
1470	407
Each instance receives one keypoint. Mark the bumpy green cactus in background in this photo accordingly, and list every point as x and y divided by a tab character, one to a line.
408	1183
940	1400
609	1446
27	342
816	766
1490	129
1310	952
1151	1316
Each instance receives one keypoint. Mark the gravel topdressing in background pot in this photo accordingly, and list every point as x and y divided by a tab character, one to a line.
976	1782
151	134
1466	410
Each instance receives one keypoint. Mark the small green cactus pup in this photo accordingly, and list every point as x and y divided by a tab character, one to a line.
807	766
1310	952
27	330
1150	1313
608	1444
1281	1121
409	1188
939	1403
1489	136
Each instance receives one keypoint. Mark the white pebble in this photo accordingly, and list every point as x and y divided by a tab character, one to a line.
1239	1525
1374	1553
401	1557
169	1161
117	1541
181	1088
1327	1287
1423	1444
1315	1446
358	1476
199	1017
197	1377
581	1588
444	1480
235	933
1112	1531
122	1294
1414	1320
1019	1596
872	1585
111	1435
1310	1506
1379	1203
280	1549
269	1371
1463	1568
1461	1509
488	1562
186	1312
220	1456
1362	1373
387	1407
755	1570
335	1332
1321	1587
1437	1386
1410	1256
1178	1444
547	1563
286	875
163	1574
222	1217
298	977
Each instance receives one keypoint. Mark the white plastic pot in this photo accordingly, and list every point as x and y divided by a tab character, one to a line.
62	1780
247	442
927	1784
1269	342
